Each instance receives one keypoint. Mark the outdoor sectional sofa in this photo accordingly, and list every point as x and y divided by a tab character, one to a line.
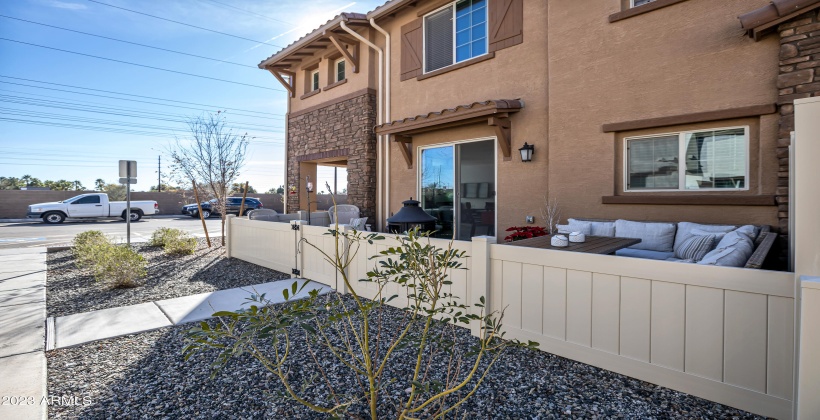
723	245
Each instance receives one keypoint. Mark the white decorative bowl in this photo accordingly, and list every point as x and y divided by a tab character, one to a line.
577	237
559	241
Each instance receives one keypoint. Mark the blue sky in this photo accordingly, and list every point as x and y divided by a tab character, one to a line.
46	96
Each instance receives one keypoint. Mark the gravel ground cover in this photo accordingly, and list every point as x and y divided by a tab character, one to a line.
145	376
70	290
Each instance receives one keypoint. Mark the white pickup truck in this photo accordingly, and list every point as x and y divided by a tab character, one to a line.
90	206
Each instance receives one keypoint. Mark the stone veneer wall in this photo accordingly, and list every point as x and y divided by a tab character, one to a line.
799	78
343	128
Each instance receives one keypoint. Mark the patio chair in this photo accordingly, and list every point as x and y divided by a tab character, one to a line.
345	213
266	215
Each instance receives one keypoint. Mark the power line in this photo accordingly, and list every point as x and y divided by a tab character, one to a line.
130	42
186	24
125	113
120	93
139	65
253	13
40	164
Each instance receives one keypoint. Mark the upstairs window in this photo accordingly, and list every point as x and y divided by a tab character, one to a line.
636	3
455	33
689	161
314	80
340	70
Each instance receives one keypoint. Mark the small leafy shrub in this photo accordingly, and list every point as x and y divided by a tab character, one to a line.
173	241
180	245
118	265
525	232
87	245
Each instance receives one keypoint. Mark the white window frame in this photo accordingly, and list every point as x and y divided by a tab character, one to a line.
682	152
336	69
424	36
632	4
315	86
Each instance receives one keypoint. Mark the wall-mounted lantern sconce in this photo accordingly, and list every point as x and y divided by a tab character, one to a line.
526	152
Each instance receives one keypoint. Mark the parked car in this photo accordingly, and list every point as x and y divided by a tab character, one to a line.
209	207
87	206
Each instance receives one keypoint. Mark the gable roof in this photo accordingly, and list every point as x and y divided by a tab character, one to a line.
764	20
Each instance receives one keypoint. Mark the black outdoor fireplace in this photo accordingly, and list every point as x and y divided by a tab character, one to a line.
410	216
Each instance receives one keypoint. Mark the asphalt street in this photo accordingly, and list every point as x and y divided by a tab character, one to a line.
37	233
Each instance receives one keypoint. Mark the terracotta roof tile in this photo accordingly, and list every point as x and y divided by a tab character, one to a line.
777	9
502	104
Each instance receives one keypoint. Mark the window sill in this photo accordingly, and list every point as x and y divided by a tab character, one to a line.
646	8
309	94
333	85
456	66
694	200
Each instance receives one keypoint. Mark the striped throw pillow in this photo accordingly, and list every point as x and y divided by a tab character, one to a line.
695	247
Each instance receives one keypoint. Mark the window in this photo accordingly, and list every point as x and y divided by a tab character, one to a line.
687	161
89	199
314	80
340	70
448	40
636	3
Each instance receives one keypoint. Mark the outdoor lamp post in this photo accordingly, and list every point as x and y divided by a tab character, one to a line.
526	152
308	189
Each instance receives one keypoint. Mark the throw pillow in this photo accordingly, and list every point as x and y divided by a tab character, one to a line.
603	229
563	228
695	247
686	229
718	235
733	250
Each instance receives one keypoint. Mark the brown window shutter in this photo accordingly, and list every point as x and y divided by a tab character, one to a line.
412	49
506	23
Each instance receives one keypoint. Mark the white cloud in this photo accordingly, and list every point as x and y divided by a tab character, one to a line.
66	5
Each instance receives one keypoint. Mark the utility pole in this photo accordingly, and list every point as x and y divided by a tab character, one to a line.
159	173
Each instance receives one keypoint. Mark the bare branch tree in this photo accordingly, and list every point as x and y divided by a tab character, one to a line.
212	157
551	213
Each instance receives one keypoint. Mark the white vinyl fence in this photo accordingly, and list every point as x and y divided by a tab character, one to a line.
724	334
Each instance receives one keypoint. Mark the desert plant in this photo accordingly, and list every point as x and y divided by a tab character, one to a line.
351	331
118	265
173	241
87	245
183	244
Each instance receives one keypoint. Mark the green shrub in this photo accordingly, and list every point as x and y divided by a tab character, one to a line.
173	241
180	245
118	265
162	235
87	245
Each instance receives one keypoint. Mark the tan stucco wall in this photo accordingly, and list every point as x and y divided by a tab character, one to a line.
365	78
686	58
515	72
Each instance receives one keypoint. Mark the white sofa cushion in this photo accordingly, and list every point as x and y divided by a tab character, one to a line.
591	228
654	236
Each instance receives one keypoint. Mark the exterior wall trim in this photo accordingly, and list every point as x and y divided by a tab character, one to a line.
694	200
646	8
322	155
334	84
456	66
698	117
333	102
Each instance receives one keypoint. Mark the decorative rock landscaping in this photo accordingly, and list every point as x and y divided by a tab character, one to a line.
144	375
71	290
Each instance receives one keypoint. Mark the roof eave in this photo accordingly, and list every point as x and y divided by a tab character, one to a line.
309	38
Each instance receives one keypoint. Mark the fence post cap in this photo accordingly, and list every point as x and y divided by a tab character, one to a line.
230	216
487	239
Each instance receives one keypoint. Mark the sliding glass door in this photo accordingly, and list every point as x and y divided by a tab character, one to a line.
457	187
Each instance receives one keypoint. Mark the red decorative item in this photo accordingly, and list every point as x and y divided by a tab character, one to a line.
525	232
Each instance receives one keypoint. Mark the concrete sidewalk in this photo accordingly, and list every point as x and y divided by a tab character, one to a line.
22	332
77	329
